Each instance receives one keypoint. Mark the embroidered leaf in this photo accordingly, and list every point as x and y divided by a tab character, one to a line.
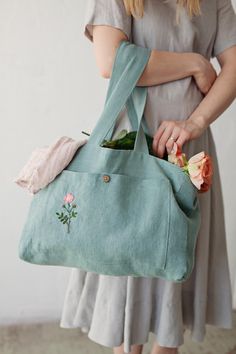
61	216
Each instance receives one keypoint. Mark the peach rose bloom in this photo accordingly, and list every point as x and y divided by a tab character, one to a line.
200	170
176	156
199	167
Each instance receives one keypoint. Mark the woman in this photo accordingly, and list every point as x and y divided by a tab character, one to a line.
184	97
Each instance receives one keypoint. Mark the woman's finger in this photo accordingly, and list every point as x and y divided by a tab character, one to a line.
183	137
170	142
163	140
157	135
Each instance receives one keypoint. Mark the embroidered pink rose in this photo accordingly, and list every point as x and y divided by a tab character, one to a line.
69	198
68	213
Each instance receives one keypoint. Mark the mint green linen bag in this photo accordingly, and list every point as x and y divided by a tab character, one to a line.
117	212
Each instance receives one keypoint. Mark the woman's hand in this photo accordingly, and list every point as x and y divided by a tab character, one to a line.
180	131
204	73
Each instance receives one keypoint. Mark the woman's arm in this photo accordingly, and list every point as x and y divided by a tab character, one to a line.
163	66
219	97
169	66
222	92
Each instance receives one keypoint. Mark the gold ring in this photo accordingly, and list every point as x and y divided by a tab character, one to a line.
172	138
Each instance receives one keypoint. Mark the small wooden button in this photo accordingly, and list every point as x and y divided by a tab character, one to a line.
106	178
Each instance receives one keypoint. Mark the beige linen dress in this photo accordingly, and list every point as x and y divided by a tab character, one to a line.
125	309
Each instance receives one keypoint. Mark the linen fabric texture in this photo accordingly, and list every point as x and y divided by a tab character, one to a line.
115	310
104	217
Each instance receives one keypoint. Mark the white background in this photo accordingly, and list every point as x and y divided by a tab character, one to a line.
49	87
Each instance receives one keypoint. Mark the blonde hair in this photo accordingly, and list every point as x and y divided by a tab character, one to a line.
136	8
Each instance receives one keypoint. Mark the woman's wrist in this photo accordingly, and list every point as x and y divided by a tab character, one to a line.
199	120
192	62
189	62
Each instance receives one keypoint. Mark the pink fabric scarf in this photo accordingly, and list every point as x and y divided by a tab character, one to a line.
46	163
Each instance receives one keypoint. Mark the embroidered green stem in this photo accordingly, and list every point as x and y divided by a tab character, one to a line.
69	212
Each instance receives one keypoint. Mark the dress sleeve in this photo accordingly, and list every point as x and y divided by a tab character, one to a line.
106	12
226	27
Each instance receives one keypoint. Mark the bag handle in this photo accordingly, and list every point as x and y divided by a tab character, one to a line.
136	118
132	115
139	97
129	63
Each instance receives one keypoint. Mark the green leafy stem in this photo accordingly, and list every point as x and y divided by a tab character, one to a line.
125	141
66	216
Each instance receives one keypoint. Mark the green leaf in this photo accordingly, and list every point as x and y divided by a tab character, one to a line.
111	144
122	134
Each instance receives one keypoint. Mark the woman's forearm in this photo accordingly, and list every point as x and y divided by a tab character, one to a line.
218	99
165	66
162	66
